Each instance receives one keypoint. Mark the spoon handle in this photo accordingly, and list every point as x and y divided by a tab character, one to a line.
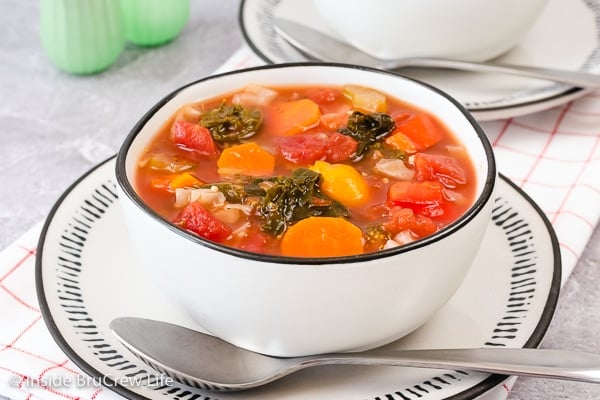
574	78
557	364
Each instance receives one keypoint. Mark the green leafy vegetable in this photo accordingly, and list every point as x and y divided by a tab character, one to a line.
230	123
281	201
376	236
367	129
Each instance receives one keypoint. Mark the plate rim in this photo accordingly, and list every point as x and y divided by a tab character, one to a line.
482	114
474	391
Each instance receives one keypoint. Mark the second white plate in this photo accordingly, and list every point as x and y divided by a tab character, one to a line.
565	37
86	276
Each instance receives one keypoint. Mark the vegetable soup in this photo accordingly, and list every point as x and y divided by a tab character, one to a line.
306	171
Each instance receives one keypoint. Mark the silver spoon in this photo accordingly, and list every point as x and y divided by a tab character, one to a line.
206	362
318	46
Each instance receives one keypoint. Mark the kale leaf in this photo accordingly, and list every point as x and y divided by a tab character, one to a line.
367	129
230	123
281	201
293	198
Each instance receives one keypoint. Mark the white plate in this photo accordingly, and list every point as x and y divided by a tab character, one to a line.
86	276
566	36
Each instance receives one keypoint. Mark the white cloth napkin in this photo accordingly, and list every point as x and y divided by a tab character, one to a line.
553	155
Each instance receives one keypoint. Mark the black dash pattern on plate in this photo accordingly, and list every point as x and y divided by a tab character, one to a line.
523	272
69	268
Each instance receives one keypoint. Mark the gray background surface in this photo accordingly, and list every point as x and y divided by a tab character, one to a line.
54	127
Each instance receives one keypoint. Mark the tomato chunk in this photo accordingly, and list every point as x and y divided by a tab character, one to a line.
303	149
194	137
306	149
195	218
421	130
340	147
402	219
322	95
425	197
447	170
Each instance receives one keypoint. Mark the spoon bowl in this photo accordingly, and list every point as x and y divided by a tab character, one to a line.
206	362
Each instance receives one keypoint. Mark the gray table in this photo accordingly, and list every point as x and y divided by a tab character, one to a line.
55	126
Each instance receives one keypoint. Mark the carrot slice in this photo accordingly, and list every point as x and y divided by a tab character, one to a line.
421	130
322	237
175	181
399	141
184	180
248	158
296	116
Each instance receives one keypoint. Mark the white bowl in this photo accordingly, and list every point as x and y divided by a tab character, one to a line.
297	306
474	30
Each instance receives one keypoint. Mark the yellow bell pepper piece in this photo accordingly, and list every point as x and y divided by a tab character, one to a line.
343	183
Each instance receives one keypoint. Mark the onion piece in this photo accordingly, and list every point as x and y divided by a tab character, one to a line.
394	168
165	162
188	113
404	237
452	195
390	244
209	198
254	96
228	216
242	231
245	208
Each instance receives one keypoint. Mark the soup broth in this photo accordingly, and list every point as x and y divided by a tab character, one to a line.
306	171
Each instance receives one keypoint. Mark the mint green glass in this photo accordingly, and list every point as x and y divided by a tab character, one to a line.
154	22
82	36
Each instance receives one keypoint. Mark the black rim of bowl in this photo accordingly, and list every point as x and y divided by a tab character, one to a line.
474	210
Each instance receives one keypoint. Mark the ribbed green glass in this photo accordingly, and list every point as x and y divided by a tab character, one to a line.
154	22
82	36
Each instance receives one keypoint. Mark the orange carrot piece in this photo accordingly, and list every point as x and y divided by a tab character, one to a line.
184	180
399	141
248	158
296	116
322	237
175	181
421	130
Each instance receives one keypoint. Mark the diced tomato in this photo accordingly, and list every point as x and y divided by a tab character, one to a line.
194	137
402	219
303	149
334	120
306	149
435	167
340	147
421	130
425	197
322	96
195	218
